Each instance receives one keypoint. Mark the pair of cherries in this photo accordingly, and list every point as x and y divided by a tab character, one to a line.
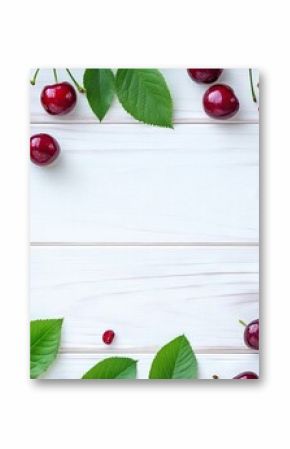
219	101
57	99
251	339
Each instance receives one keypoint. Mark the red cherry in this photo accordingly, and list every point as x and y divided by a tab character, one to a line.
251	334
205	76
58	98
247	375
44	149
220	101
108	337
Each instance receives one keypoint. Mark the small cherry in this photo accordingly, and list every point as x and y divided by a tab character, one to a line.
251	334
44	149
59	98
108	336
220	101
205	76
247	375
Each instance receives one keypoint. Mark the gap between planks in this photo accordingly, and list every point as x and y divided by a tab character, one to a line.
149	244
176	122
151	351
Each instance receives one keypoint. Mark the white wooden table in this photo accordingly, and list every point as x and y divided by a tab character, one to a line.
151	232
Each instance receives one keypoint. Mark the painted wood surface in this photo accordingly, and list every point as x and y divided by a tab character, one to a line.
125	183
148	295
150	231
187	96
226	366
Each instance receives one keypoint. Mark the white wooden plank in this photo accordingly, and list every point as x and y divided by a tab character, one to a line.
148	295
124	183
187	97
226	366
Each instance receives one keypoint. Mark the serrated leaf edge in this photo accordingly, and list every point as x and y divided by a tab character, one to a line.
54	320
134	362
166	344
140	120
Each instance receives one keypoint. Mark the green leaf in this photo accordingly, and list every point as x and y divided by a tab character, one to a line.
145	95
113	368
44	344
176	360
100	88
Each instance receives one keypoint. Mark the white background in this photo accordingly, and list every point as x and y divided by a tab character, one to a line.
142	415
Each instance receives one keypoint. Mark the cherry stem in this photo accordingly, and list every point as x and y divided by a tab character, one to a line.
242	323
33	80
252	86
55	75
78	86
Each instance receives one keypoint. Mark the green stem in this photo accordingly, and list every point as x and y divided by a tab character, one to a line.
33	80
242	323
78	86
55	75
252	86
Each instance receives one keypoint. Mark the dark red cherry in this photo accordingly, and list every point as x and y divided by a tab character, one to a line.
58	98
220	101
108	336
44	149
247	375
206	76
251	334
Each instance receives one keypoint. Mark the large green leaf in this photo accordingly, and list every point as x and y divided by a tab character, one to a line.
100	88
44	344
176	360
145	95
113	368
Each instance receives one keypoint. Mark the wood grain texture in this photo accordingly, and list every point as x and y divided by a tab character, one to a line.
128	229
147	295
226	366
124	183
187	97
